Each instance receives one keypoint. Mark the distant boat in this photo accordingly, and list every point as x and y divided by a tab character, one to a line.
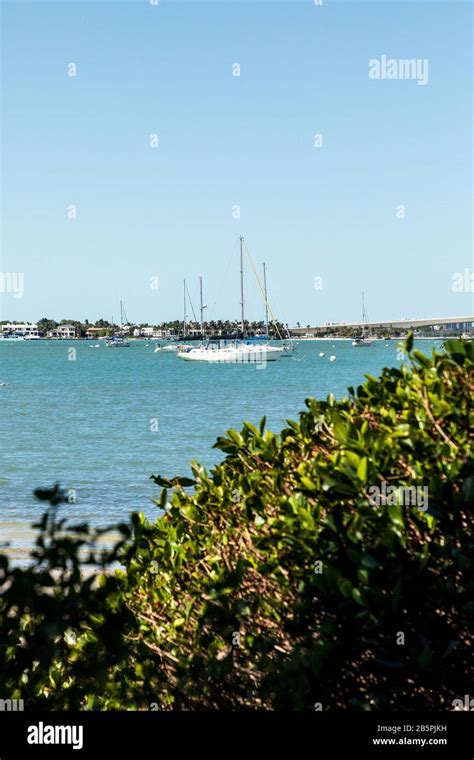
230	352
173	347
12	337
118	341
170	348
361	342
364	339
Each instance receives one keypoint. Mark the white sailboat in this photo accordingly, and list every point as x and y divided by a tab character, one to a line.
118	341
231	352
364	339
235	351
174	347
12	337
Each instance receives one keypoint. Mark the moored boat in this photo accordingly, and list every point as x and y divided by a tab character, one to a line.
240	351
171	348
223	352
360	342
118	340
363	340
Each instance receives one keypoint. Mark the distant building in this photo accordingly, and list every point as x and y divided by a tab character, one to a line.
193	331
64	332
150	332
25	329
93	332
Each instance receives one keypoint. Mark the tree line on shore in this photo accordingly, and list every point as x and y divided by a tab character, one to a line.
175	329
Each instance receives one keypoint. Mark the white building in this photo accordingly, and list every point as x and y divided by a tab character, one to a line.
65	332
25	329
149	332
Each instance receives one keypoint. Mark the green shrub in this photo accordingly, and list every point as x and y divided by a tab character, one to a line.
276	582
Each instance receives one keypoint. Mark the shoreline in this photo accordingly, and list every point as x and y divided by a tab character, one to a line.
173	340
18	540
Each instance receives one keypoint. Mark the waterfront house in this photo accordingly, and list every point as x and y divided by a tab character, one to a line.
63	332
94	332
150	332
21	329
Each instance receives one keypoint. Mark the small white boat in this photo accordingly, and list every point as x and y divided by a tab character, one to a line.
117	341
359	342
171	348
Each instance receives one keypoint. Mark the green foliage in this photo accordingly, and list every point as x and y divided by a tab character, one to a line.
276	582
45	325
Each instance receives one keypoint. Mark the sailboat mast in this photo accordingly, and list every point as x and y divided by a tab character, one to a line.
184	312
202	309
365	317
364	312
266	299
242	316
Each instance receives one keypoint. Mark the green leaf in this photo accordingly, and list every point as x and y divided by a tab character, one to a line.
362	470
408	345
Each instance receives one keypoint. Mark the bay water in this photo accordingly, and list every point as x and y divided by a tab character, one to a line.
100	421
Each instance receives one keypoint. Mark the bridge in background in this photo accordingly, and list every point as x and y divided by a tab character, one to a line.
461	324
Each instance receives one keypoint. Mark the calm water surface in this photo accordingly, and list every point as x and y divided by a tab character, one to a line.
88	423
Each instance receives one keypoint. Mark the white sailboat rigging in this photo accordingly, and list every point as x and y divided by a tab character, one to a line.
363	340
118	340
235	351
288	345
174	347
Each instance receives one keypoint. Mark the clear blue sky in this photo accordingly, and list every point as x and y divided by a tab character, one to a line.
226	140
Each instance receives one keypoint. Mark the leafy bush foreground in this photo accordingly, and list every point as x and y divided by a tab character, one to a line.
278	582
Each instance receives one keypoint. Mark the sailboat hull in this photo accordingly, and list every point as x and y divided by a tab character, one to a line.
239	355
